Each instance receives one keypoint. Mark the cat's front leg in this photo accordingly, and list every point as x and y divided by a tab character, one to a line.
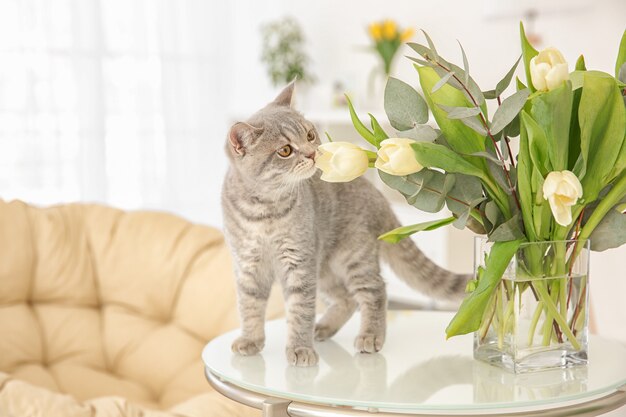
253	290
299	288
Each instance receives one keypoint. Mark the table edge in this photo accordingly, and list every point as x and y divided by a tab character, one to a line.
593	407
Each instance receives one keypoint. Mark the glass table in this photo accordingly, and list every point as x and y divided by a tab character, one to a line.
417	373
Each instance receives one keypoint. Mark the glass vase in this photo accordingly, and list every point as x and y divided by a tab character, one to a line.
536	318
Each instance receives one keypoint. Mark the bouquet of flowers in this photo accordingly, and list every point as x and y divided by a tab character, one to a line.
566	184
387	38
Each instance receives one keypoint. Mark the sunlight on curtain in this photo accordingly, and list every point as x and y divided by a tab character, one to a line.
113	101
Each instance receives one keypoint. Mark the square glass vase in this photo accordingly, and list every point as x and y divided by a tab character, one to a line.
536	318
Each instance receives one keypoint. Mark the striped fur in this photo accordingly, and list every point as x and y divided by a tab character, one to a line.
284	224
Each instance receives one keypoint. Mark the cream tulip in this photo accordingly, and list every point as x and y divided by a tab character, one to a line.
341	161
396	157
562	189
548	70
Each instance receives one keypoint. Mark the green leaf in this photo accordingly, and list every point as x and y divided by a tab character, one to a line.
405	108
460	137
379	132
524	175
537	145
328	136
469	315
552	111
358	124
528	53
504	83
602	118
621	55
432	155
509	230
508	110
396	235
580	63
519	84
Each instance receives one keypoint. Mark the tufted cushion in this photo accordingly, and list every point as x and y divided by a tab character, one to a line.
96	302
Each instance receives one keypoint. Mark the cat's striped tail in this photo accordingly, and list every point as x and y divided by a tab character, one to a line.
421	273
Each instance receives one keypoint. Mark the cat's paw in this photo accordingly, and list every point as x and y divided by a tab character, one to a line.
247	347
302	356
369	342
323	332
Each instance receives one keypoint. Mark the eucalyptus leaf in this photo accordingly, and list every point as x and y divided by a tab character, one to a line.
512	129
465	64
493	215
512	229
442	81
431	45
490	94
425	190
460	112
419	61
466	193
508	110
504	83
610	232
470	313
422	133
405	108
475	124
489	156
396	235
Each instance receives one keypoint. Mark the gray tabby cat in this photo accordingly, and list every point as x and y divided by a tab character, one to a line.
283	223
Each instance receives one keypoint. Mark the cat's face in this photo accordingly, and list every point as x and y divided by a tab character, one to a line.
277	146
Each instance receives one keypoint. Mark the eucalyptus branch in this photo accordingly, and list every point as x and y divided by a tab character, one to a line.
486	126
507	140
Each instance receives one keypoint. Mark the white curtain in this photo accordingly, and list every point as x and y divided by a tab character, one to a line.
115	101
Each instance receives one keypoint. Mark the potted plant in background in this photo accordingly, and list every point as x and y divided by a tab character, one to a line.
539	212
283	53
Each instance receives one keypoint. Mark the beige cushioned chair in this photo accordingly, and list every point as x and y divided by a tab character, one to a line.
105	312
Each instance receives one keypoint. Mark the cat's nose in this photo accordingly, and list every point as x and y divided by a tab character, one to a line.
311	155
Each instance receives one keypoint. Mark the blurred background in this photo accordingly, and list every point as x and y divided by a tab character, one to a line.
127	102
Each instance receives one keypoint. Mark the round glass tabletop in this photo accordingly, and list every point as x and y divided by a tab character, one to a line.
416	371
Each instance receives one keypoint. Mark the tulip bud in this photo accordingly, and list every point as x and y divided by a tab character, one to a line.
341	161
396	157
562	190
548	70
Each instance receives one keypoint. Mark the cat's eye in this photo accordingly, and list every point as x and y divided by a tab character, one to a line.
311	135
285	151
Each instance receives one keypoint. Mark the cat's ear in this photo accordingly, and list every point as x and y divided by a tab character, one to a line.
240	135
285	96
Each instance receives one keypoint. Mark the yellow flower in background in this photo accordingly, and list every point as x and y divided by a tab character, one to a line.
375	31
389	29
407	34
